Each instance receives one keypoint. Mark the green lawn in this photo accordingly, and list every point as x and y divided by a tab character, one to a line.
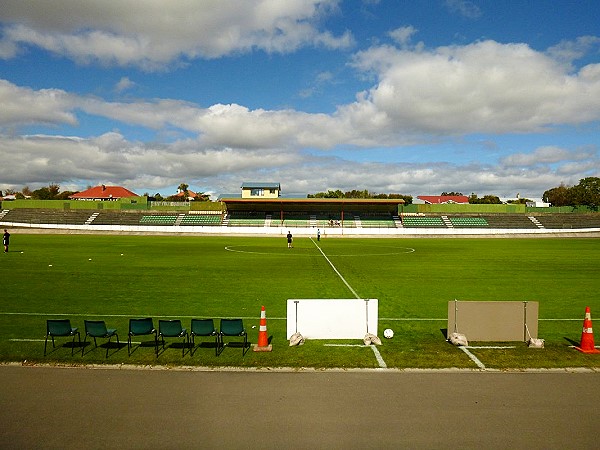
113	277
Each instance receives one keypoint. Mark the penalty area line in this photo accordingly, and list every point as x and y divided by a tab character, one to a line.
473	358
378	356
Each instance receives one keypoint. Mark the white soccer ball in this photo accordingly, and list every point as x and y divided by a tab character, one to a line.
388	333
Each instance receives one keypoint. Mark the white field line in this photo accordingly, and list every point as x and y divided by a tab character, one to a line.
490	346
336	271
378	356
257	317
42	340
473	358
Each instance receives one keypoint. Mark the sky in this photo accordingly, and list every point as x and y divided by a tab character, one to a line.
411	97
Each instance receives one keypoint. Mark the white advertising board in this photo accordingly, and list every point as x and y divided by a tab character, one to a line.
332	318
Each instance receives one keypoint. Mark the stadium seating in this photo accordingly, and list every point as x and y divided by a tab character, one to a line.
565	221
158	219
302	219
201	219
468	222
423	221
374	220
246	219
47	216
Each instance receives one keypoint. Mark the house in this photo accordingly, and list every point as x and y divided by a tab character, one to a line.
191	195
441	199
261	190
103	193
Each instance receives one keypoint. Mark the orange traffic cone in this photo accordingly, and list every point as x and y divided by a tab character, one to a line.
263	339
587	335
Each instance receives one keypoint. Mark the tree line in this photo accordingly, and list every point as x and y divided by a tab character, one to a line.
360	194
585	193
53	192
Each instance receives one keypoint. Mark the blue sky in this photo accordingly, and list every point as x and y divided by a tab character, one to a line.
417	98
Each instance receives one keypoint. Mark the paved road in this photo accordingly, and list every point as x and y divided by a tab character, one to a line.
44	407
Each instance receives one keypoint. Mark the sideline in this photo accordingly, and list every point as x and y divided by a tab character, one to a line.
378	356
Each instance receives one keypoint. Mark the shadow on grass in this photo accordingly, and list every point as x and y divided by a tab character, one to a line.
105	346
142	344
235	344
571	341
163	347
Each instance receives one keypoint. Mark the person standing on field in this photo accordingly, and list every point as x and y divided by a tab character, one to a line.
289	239
318	234
6	240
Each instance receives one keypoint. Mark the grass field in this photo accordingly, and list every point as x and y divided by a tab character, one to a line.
116	277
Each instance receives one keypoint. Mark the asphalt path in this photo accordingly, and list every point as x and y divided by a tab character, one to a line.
98	408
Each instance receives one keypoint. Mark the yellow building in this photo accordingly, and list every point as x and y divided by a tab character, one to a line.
261	190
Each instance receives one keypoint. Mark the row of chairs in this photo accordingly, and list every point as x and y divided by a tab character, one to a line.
145	327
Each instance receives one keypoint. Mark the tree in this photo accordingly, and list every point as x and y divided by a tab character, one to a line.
558	196
586	193
451	194
46	193
485	200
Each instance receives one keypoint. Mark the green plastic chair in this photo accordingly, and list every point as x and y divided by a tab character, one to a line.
140	327
232	328
97	329
204	328
61	328
172	329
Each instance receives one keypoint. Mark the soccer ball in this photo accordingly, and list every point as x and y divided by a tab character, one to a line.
388	333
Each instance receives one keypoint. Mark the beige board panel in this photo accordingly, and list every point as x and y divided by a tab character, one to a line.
494	320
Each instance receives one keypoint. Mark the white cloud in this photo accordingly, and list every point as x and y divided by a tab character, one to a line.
26	106
124	84
486	87
546	155
568	51
154	33
420	96
464	8
111	158
403	35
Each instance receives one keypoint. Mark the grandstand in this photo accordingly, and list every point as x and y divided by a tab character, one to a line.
304	216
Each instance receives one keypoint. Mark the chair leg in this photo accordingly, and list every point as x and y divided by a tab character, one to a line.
84	342
78	339
118	343
107	346
129	345
45	344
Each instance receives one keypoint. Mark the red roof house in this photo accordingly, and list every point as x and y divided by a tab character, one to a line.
191	195
440	199
103	192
